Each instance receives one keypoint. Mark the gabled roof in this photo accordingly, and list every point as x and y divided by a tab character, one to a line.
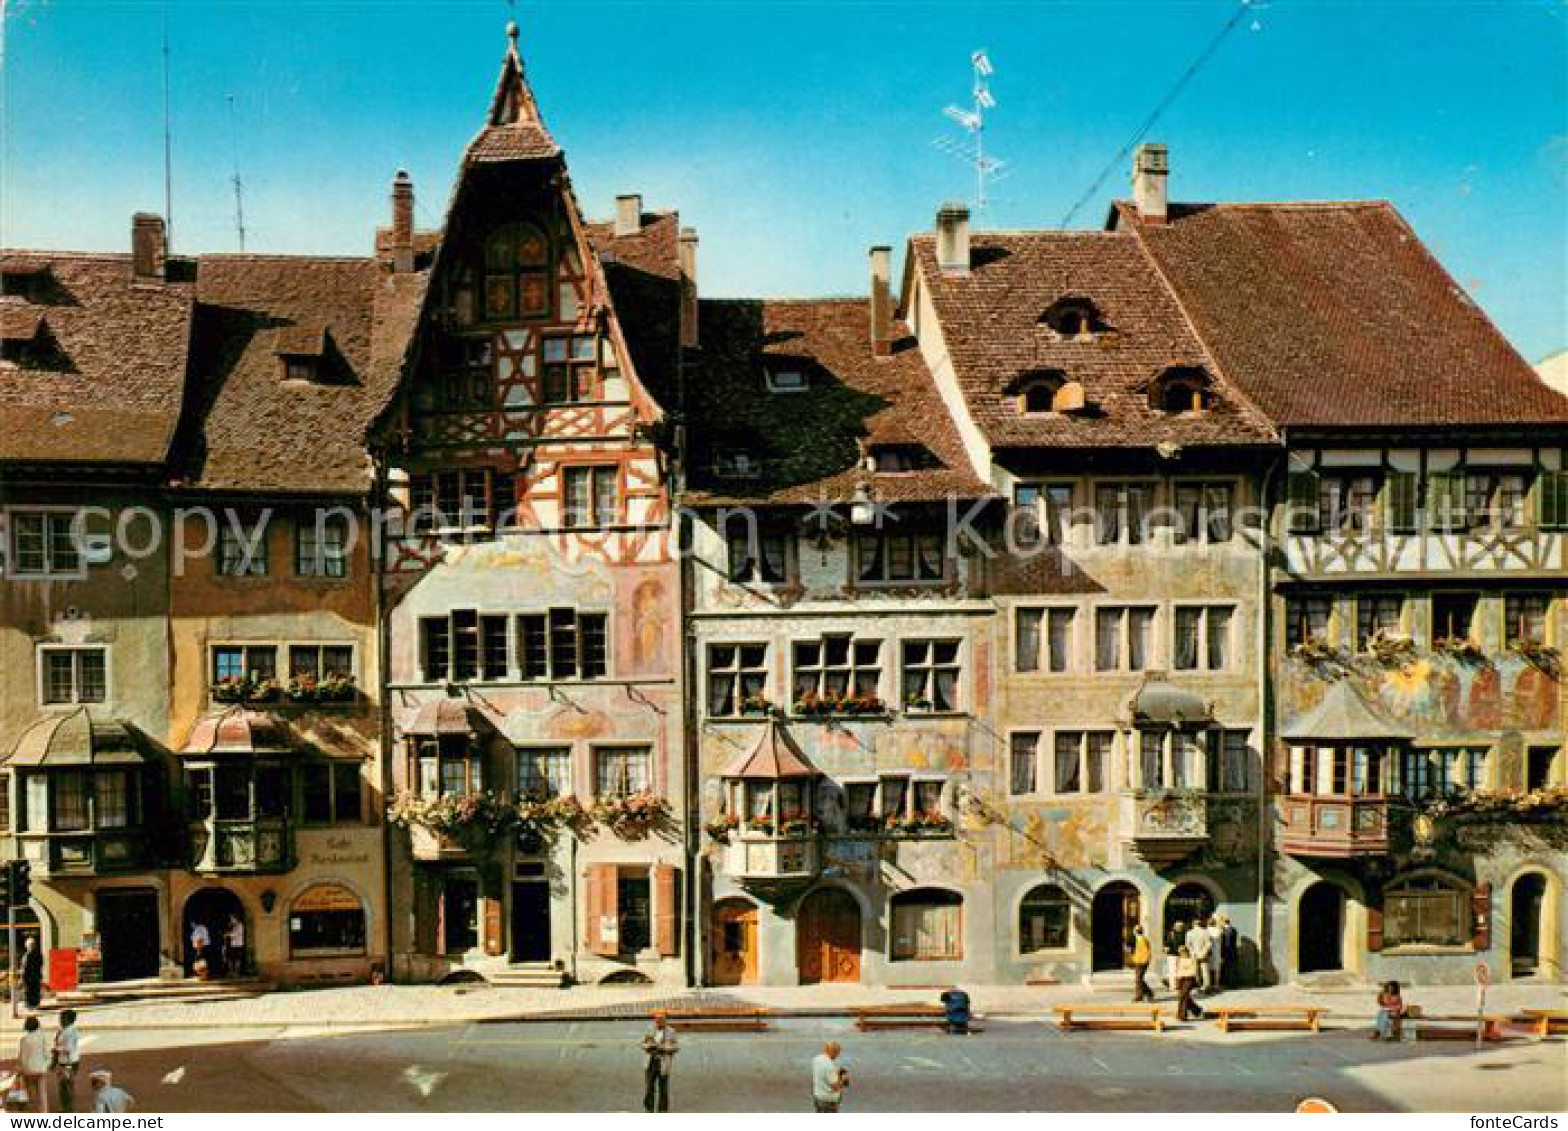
1336	315
249	430
1342	716
118	350
811	444
773	757
991	321
514	130
643	272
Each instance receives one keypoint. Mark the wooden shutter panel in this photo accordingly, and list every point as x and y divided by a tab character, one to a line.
427	914
1374	929
666	909
1481	914
1301	496
1552	500
1401	494
490	920
601	905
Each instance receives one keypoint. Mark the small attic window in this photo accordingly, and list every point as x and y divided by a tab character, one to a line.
29	282
785	379
1181	390
305	369
1046	390
736	463
889	459
1073	318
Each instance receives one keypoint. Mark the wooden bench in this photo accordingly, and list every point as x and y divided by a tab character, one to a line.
914	1016
1234	1018
1091	1016
1544	1022
1456	1027
719	1019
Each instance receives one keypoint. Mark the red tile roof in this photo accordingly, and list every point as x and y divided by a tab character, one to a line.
643	273
1336	315
514	129
112	393
251	430
773	757
810	443
990	319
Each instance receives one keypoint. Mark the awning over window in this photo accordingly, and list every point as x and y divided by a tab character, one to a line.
74	739
448	716
774	757
236	731
1343	716
1159	702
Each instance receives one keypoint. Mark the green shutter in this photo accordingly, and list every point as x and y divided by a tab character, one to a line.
1301	500
1552	500
1445	500
1401	496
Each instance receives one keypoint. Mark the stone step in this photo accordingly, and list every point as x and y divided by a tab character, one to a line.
181	989
529	977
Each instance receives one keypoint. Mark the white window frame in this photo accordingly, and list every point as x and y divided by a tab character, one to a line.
929	671
42	665
47	573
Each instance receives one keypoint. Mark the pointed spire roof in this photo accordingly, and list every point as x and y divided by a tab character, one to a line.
1343	716
772	758
514	129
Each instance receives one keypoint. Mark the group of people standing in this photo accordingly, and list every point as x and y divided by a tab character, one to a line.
39	1055
233	951
1200	956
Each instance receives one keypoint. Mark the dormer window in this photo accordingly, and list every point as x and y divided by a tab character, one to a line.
1073	317
516	277
29	282
887	459
786	379
1181	390
303	369
1046	390
733	463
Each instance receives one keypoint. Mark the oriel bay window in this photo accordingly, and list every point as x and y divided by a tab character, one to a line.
239	787
899	557
448	765
930	675
1171	759
83	819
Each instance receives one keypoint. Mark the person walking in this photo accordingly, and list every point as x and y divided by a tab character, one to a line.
1186	982
661	1046
1173	943
32	1063
108	1099
828	1078
234	947
32	973
1212	963
67	1057
1198	944
1139	958
1230	951
201	939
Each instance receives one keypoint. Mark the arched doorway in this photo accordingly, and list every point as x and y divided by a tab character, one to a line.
1187	904
1320	927
1526	909
732	954
1116	911
827	937
212	908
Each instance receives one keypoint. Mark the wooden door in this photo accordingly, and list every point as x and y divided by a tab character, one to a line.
828	937
733	957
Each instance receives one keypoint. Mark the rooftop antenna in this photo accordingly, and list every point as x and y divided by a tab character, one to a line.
972	119
168	142
239	185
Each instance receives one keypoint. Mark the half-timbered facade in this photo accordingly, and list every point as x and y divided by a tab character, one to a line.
533	596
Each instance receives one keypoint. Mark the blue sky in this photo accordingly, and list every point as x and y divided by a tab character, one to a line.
793	135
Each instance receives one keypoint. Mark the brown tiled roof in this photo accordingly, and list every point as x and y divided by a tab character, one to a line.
990	320
112	392
1337	315
20	321
643	273
810	443
514	129
252	431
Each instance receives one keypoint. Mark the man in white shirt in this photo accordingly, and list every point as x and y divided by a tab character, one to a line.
828	1079
1198	945
201	939
67	1055
32	1063
108	1099
234	947
661	1046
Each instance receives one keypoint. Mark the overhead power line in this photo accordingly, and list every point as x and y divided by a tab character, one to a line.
1116	162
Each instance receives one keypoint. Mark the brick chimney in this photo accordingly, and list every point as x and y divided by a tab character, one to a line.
952	238
628	214
149	247
881	301
1150	168
402	238
688	261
